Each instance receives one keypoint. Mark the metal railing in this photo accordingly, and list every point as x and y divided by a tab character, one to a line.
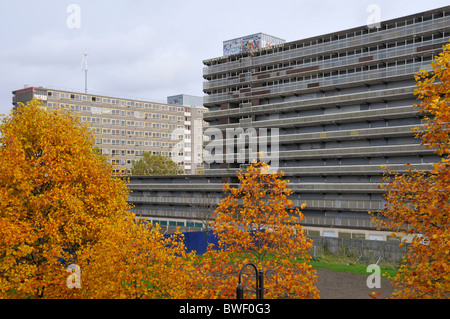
388	53
400	70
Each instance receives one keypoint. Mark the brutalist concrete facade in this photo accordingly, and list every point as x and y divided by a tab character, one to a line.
343	104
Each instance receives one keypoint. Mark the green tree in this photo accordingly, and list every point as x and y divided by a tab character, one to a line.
155	165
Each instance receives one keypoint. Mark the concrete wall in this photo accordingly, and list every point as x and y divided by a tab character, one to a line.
360	249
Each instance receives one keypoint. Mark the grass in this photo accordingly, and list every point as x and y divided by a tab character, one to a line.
343	264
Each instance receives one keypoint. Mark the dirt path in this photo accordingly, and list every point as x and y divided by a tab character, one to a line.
345	285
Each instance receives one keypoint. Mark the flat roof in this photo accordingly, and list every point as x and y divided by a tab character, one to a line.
402	18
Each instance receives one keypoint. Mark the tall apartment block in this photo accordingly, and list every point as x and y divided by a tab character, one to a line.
125	128
343	105
193	130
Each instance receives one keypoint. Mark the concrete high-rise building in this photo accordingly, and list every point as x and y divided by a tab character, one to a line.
186	100
193	130
343	105
124	128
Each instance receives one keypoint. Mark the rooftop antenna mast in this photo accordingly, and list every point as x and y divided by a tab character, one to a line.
84	63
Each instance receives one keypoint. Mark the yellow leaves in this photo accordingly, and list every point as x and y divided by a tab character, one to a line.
418	202
259	229
56	195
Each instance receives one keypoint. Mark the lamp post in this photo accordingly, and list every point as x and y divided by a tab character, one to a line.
259	276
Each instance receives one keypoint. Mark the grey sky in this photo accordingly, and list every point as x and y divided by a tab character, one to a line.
152	49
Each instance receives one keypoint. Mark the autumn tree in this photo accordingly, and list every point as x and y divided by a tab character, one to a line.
133	260
256	222
155	164
418	202
60	206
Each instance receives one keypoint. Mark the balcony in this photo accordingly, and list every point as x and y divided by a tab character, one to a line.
345	170
314	102
330	65
347	152
371	115
402	71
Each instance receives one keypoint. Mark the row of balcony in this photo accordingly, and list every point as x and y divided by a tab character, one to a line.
332	170
295	187
323	66
315	101
314	220
370	115
322	83
311	204
337	153
358	41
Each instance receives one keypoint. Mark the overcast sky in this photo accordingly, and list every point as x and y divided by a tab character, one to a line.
153	49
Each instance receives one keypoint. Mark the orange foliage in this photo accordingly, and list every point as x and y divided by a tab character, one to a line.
257	223
59	202
418	202
60	205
